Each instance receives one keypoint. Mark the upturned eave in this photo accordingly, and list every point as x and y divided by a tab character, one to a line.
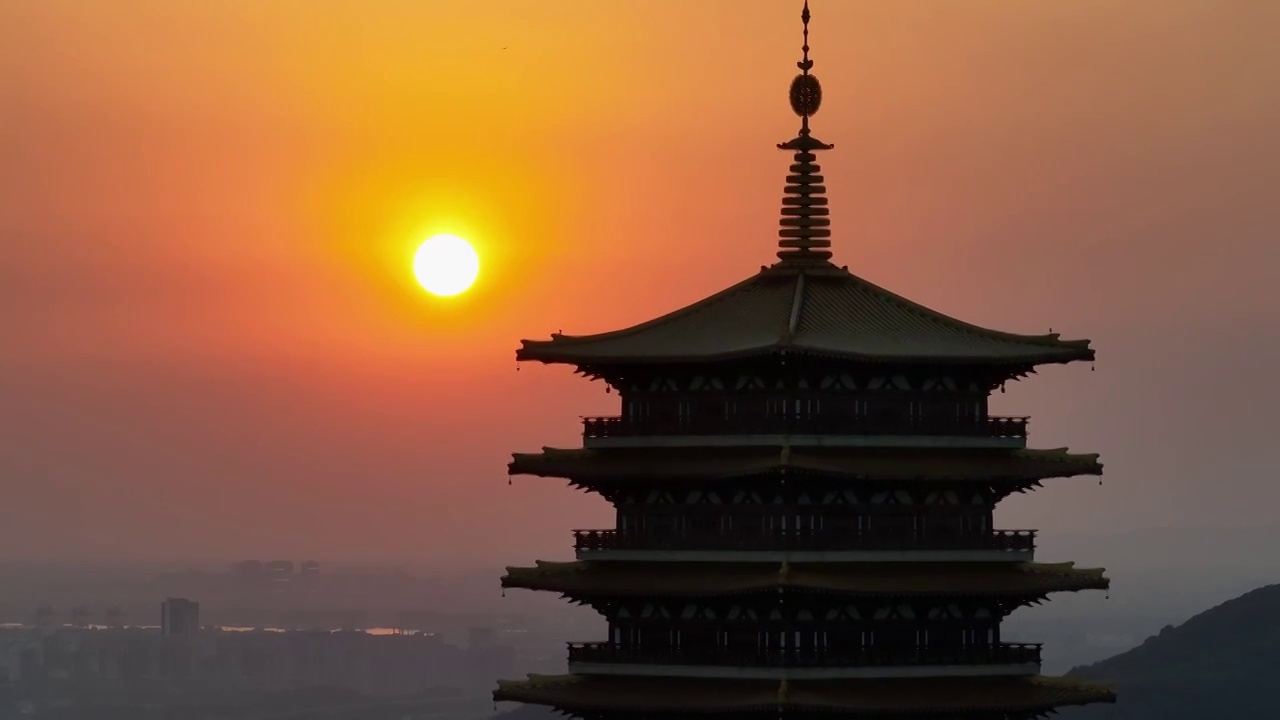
866	698
589	466
587	579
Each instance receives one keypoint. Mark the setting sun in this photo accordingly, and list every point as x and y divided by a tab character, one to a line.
446	265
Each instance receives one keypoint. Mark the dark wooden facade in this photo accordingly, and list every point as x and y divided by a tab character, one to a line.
778	517
834	539
764	517
811	631
804	396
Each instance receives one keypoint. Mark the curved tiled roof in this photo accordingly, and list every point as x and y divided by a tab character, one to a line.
625	579
807	308
860	463
900	696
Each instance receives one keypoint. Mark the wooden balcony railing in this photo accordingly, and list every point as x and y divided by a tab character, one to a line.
802	540
997	654
990	427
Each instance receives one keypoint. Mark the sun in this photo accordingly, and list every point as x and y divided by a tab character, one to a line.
446	265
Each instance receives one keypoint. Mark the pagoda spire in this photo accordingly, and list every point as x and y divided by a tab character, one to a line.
804	232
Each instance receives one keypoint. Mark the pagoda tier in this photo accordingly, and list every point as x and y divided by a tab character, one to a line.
802	399
804	620
805	504
619	698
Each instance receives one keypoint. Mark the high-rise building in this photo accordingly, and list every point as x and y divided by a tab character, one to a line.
805	473
280	571
46	616
179	617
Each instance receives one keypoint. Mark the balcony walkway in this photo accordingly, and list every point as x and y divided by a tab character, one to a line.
604	658
820	430
802	540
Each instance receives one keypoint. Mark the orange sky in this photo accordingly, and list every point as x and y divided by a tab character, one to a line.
212	343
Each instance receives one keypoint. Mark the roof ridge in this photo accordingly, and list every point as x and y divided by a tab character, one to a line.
797	303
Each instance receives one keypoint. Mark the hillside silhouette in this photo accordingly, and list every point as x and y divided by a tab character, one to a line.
1221	663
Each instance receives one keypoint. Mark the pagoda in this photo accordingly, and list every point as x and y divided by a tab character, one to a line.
804	473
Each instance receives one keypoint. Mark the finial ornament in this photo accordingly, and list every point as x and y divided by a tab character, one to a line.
805	63
806	91
804	234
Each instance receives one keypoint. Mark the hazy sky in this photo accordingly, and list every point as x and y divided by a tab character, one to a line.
210	340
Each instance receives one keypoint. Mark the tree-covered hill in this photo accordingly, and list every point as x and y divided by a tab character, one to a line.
1222	664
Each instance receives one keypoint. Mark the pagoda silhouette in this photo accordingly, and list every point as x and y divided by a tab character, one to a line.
805	472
